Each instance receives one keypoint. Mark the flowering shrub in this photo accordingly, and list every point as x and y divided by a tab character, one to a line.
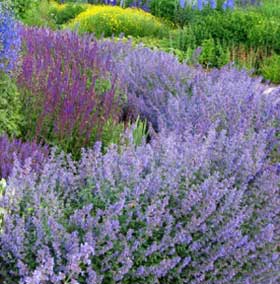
199	204
109	20
69	91
149	78
9	40
238	108
12	150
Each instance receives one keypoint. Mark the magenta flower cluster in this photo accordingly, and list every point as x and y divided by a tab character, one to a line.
69	91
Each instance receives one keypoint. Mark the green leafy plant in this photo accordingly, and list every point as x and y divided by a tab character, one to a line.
214	54
271	68
112	133
164	8
20	7
10	107
140	132
40	15
66	13
3	185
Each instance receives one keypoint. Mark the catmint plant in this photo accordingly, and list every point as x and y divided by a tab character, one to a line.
200	203
15	149
149	78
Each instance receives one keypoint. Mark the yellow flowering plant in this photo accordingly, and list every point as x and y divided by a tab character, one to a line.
112	20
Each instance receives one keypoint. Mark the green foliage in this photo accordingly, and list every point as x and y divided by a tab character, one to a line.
183	39
269	8
21	7
171	10
164	8
140	132
245	36
265	33
66	13
2	190
246	27
112	133
40	15
214	54
10	116
271	68
163	44
102	85
227	27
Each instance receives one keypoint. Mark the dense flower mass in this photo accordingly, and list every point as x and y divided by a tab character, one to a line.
17	150
199	204
69	91
149	79
131	167
107	21
9	40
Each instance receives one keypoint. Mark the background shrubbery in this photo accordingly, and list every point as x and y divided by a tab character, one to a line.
63	14
107	21
246	35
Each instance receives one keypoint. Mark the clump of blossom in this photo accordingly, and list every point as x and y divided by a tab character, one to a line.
150	78
199	204
12	150
69	92
216	98
10	42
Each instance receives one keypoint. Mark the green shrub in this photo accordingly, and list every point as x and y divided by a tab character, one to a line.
268	8
214	54
227	27
20	7
164	8
66	12
184	38
40	15
221	33
171	10
265	33
271	68
10	117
